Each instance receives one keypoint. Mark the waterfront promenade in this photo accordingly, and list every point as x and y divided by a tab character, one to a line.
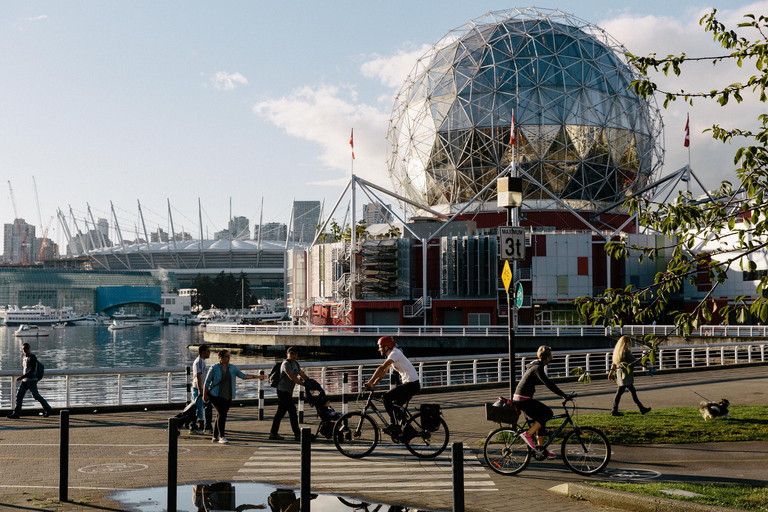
114	451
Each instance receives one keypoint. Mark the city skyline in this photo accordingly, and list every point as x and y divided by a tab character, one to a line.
176	102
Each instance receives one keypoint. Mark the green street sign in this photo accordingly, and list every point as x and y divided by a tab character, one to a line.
519	296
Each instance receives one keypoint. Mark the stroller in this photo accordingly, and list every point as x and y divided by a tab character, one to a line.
317	398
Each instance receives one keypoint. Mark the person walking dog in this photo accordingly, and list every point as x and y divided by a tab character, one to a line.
623	368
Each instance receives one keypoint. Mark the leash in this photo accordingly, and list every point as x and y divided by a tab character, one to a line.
702	396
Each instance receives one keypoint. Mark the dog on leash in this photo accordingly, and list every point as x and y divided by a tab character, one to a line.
714	410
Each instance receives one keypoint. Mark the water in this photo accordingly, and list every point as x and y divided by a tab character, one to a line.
79	347
242	496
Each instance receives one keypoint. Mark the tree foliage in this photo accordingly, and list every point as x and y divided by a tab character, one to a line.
224	291
734	215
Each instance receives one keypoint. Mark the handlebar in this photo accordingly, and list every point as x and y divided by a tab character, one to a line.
569	397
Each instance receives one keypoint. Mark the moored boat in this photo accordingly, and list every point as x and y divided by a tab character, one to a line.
119	325
38	315
32	331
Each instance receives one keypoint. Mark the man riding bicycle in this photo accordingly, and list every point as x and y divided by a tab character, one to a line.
409	381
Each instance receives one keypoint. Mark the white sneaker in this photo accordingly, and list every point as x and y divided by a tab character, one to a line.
223	440
528	440
215	440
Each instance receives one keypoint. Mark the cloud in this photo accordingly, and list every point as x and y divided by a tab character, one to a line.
38	18
325	115
392	71
711	160
228	81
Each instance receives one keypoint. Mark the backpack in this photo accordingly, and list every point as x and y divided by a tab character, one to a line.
274	374
39	370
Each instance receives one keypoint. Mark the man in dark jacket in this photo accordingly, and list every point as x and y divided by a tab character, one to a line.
28	381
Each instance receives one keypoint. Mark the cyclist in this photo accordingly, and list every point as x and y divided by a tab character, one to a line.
538	412
409	381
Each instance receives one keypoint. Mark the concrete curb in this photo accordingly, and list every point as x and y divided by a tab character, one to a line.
631	501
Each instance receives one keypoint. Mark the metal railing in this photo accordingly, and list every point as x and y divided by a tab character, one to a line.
722	331
168	385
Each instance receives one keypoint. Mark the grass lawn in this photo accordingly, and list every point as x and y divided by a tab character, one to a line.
740	496
681	425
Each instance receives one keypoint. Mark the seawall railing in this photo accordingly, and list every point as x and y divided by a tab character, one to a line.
738	331
170	385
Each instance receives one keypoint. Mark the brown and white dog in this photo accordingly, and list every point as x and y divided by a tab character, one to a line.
714	410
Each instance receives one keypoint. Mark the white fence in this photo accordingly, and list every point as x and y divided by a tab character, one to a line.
136	386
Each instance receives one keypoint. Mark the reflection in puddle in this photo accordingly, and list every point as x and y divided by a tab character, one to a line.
225	496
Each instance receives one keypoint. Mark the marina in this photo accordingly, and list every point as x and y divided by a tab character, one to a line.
38	315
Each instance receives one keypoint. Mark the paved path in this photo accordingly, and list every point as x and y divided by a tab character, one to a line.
113	451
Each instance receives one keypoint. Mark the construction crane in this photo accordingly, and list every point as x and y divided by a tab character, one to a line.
22	236
44	240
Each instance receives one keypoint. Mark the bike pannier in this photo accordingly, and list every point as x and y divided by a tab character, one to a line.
430	417
502	411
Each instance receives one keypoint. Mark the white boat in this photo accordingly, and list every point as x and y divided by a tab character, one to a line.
91	320
119	325
38	315
32	331
254	314
59	326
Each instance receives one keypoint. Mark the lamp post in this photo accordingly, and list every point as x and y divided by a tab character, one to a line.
511	248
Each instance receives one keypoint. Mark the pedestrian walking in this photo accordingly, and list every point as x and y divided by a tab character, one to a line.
204	409
28	381
290	375
220	389
623	368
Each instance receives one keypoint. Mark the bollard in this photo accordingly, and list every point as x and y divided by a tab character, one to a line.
457	464
301	405
173	451
64	456
306	466
344	391
261	397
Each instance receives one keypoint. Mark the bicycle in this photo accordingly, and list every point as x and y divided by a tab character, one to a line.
356	434
585	450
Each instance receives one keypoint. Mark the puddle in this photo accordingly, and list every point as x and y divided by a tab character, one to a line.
227	496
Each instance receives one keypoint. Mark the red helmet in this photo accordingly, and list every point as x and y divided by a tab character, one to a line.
387	341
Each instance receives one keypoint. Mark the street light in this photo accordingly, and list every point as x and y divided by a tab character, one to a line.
510	196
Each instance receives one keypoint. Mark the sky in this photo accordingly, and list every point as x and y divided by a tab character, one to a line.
241	102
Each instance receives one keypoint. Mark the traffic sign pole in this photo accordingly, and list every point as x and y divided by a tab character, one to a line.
511	324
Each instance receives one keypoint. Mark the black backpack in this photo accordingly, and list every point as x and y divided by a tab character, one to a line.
40	370
274	374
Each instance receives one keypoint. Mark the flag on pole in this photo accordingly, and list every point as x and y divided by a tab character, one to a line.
687	142
512	131
352	142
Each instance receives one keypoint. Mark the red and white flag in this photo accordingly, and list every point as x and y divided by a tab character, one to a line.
512	131
352	142
687	142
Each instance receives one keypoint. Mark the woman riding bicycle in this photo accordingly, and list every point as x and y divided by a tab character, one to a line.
537	411
409	381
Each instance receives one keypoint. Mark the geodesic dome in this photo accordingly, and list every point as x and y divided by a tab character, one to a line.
581	135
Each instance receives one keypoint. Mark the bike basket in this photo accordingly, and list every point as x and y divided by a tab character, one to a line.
430	417
501	413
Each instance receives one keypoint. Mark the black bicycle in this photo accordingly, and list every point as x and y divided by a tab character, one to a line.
585	450
424	434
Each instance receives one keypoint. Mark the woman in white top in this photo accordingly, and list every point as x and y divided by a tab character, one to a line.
409	381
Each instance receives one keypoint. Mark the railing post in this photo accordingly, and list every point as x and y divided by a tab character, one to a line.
693	358
322	377
448	373
722	356
306	468
499	363
421	373
736	354
474	371
189	384
587	364
67	391
360	378
261	397
170	387
749	353
119	388
661	359
173	452
64	456
344	393
457	465
707	356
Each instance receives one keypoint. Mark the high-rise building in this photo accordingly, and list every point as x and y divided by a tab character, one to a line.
103	226
271	231
18	242
372	216
158	236
240	229
306	217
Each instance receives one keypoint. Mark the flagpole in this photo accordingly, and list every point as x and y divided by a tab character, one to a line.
353	237
688	145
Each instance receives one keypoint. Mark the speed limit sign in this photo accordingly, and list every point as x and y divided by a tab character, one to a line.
512	243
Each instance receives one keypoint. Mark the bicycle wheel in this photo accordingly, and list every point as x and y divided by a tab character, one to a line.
422	442
355	435
586	450
505	451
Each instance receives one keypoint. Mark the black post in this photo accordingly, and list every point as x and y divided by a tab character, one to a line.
64	456
261	397
457	464
511	324
301	405
306	466
173	452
